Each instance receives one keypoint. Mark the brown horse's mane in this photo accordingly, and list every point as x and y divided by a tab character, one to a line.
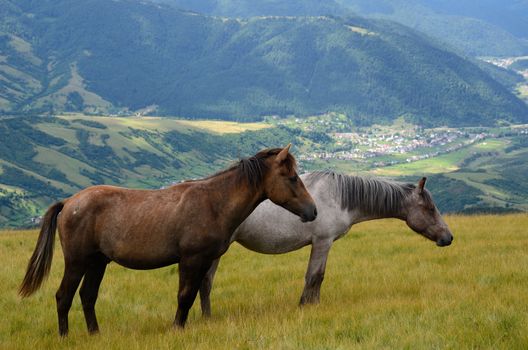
373	195
252	169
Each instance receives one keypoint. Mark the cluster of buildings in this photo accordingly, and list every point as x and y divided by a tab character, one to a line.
399	143
416	145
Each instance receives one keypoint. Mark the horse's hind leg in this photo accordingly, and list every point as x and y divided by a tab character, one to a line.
73	272
205	289
90	289
316	270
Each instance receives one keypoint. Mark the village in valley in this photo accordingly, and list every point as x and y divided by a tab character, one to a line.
386	145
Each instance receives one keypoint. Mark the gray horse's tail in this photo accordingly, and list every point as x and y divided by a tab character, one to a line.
40	263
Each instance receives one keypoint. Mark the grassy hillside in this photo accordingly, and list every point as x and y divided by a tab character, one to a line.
43	159
470	169
489	176
385	287
114	56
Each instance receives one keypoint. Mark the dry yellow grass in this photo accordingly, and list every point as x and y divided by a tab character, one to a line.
385	287
224	127
163	124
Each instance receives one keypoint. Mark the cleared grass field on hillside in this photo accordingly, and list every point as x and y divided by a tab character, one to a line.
385	287
444	163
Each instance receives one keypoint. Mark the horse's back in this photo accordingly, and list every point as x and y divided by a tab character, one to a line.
110	203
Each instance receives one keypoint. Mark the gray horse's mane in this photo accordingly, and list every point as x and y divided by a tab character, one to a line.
372	195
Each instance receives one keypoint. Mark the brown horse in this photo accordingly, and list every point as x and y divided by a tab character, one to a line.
190	223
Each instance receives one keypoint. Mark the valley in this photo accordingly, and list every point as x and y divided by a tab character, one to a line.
44	159
485	167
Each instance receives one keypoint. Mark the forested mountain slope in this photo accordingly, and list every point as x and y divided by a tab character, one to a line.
475	27
110	56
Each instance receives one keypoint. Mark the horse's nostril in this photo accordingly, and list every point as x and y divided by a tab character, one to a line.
315	212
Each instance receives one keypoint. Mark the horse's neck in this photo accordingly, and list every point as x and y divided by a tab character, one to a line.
359	215
237	198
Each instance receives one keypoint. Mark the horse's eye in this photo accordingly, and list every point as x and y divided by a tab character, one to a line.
293	178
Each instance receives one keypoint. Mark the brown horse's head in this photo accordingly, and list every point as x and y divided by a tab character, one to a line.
424	218
283	186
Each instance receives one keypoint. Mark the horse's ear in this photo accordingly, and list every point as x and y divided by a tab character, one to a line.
421	184
281	157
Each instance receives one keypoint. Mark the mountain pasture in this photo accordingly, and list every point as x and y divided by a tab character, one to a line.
45	158
385	287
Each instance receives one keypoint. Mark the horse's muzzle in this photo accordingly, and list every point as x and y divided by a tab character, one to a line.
445	241
310	214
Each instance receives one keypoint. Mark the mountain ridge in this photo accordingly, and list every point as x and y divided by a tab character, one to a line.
483	28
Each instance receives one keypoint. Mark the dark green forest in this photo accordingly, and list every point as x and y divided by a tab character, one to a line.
101	56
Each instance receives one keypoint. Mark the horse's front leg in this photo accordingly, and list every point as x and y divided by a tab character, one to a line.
316	270
192	271
205	289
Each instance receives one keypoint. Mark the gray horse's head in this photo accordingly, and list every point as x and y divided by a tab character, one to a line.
424	218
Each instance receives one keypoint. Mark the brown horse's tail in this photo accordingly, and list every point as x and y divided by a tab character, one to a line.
40	263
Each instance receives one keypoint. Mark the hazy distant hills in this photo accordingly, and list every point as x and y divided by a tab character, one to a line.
104	56
476	27
251	8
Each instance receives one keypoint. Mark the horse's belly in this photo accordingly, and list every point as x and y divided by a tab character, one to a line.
146	264
140	255
273	243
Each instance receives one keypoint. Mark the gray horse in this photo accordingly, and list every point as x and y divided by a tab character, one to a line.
342	201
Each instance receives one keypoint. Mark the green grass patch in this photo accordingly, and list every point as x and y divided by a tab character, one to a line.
445	163
441	164
522	91
490	145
